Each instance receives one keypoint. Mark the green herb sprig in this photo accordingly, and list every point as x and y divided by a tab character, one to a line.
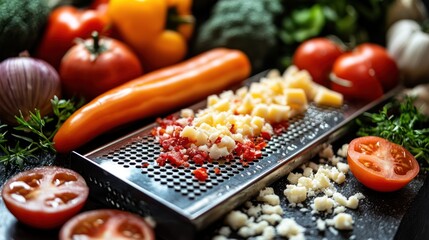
35	133
399	121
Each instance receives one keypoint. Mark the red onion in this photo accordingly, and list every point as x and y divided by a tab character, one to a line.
26	84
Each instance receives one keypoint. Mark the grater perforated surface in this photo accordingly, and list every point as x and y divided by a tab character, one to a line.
124	173
144	150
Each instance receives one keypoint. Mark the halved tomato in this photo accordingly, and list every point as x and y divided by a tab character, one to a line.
106	224
45	197
380	164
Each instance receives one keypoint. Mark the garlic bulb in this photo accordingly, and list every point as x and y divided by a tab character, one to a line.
406	9
26	84
408	44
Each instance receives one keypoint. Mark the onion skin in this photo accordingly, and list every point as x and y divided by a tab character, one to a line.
26	84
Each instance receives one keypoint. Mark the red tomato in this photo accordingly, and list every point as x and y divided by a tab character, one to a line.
45	197
106	224
365	73
317	56
92	67
381	165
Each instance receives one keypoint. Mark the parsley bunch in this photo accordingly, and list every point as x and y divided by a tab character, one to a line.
34	134
402	123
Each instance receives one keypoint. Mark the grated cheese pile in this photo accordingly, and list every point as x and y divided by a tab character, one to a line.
312	184
240	122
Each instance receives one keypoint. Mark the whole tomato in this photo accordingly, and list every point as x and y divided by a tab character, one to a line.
317	56
364	73
96	65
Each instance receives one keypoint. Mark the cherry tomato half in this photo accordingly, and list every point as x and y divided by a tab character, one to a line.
45	197
317	56
380	164
106	224
365	73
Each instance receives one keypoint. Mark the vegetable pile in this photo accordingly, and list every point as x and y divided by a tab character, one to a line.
97	65
67	65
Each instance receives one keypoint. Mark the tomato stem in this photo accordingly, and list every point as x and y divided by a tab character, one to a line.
96	40
96	48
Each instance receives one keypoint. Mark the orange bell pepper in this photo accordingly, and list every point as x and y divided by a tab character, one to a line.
157	92
158	30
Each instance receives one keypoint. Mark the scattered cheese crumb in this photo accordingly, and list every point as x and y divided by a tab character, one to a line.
342	152
268	209
295	194
326	152
321	224
323	204
236	219
343	221
289	228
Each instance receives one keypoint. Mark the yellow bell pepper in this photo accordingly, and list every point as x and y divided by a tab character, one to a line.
145	26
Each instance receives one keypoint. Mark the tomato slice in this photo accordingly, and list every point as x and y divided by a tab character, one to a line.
380	164
45	197
106	224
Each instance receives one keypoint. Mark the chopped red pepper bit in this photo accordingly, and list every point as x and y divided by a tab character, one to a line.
201	174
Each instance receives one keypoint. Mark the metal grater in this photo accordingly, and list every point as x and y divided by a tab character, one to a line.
181	205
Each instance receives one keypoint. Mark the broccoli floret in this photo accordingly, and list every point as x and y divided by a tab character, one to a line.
21	23
241	24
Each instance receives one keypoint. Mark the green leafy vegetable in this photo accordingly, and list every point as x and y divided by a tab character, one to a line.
33	134
402	123
242	24
21	24
302	24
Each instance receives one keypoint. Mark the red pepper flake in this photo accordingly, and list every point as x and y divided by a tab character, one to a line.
175	158
145	164
216	170
248	151
218	140
266	136
201	174
280	127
